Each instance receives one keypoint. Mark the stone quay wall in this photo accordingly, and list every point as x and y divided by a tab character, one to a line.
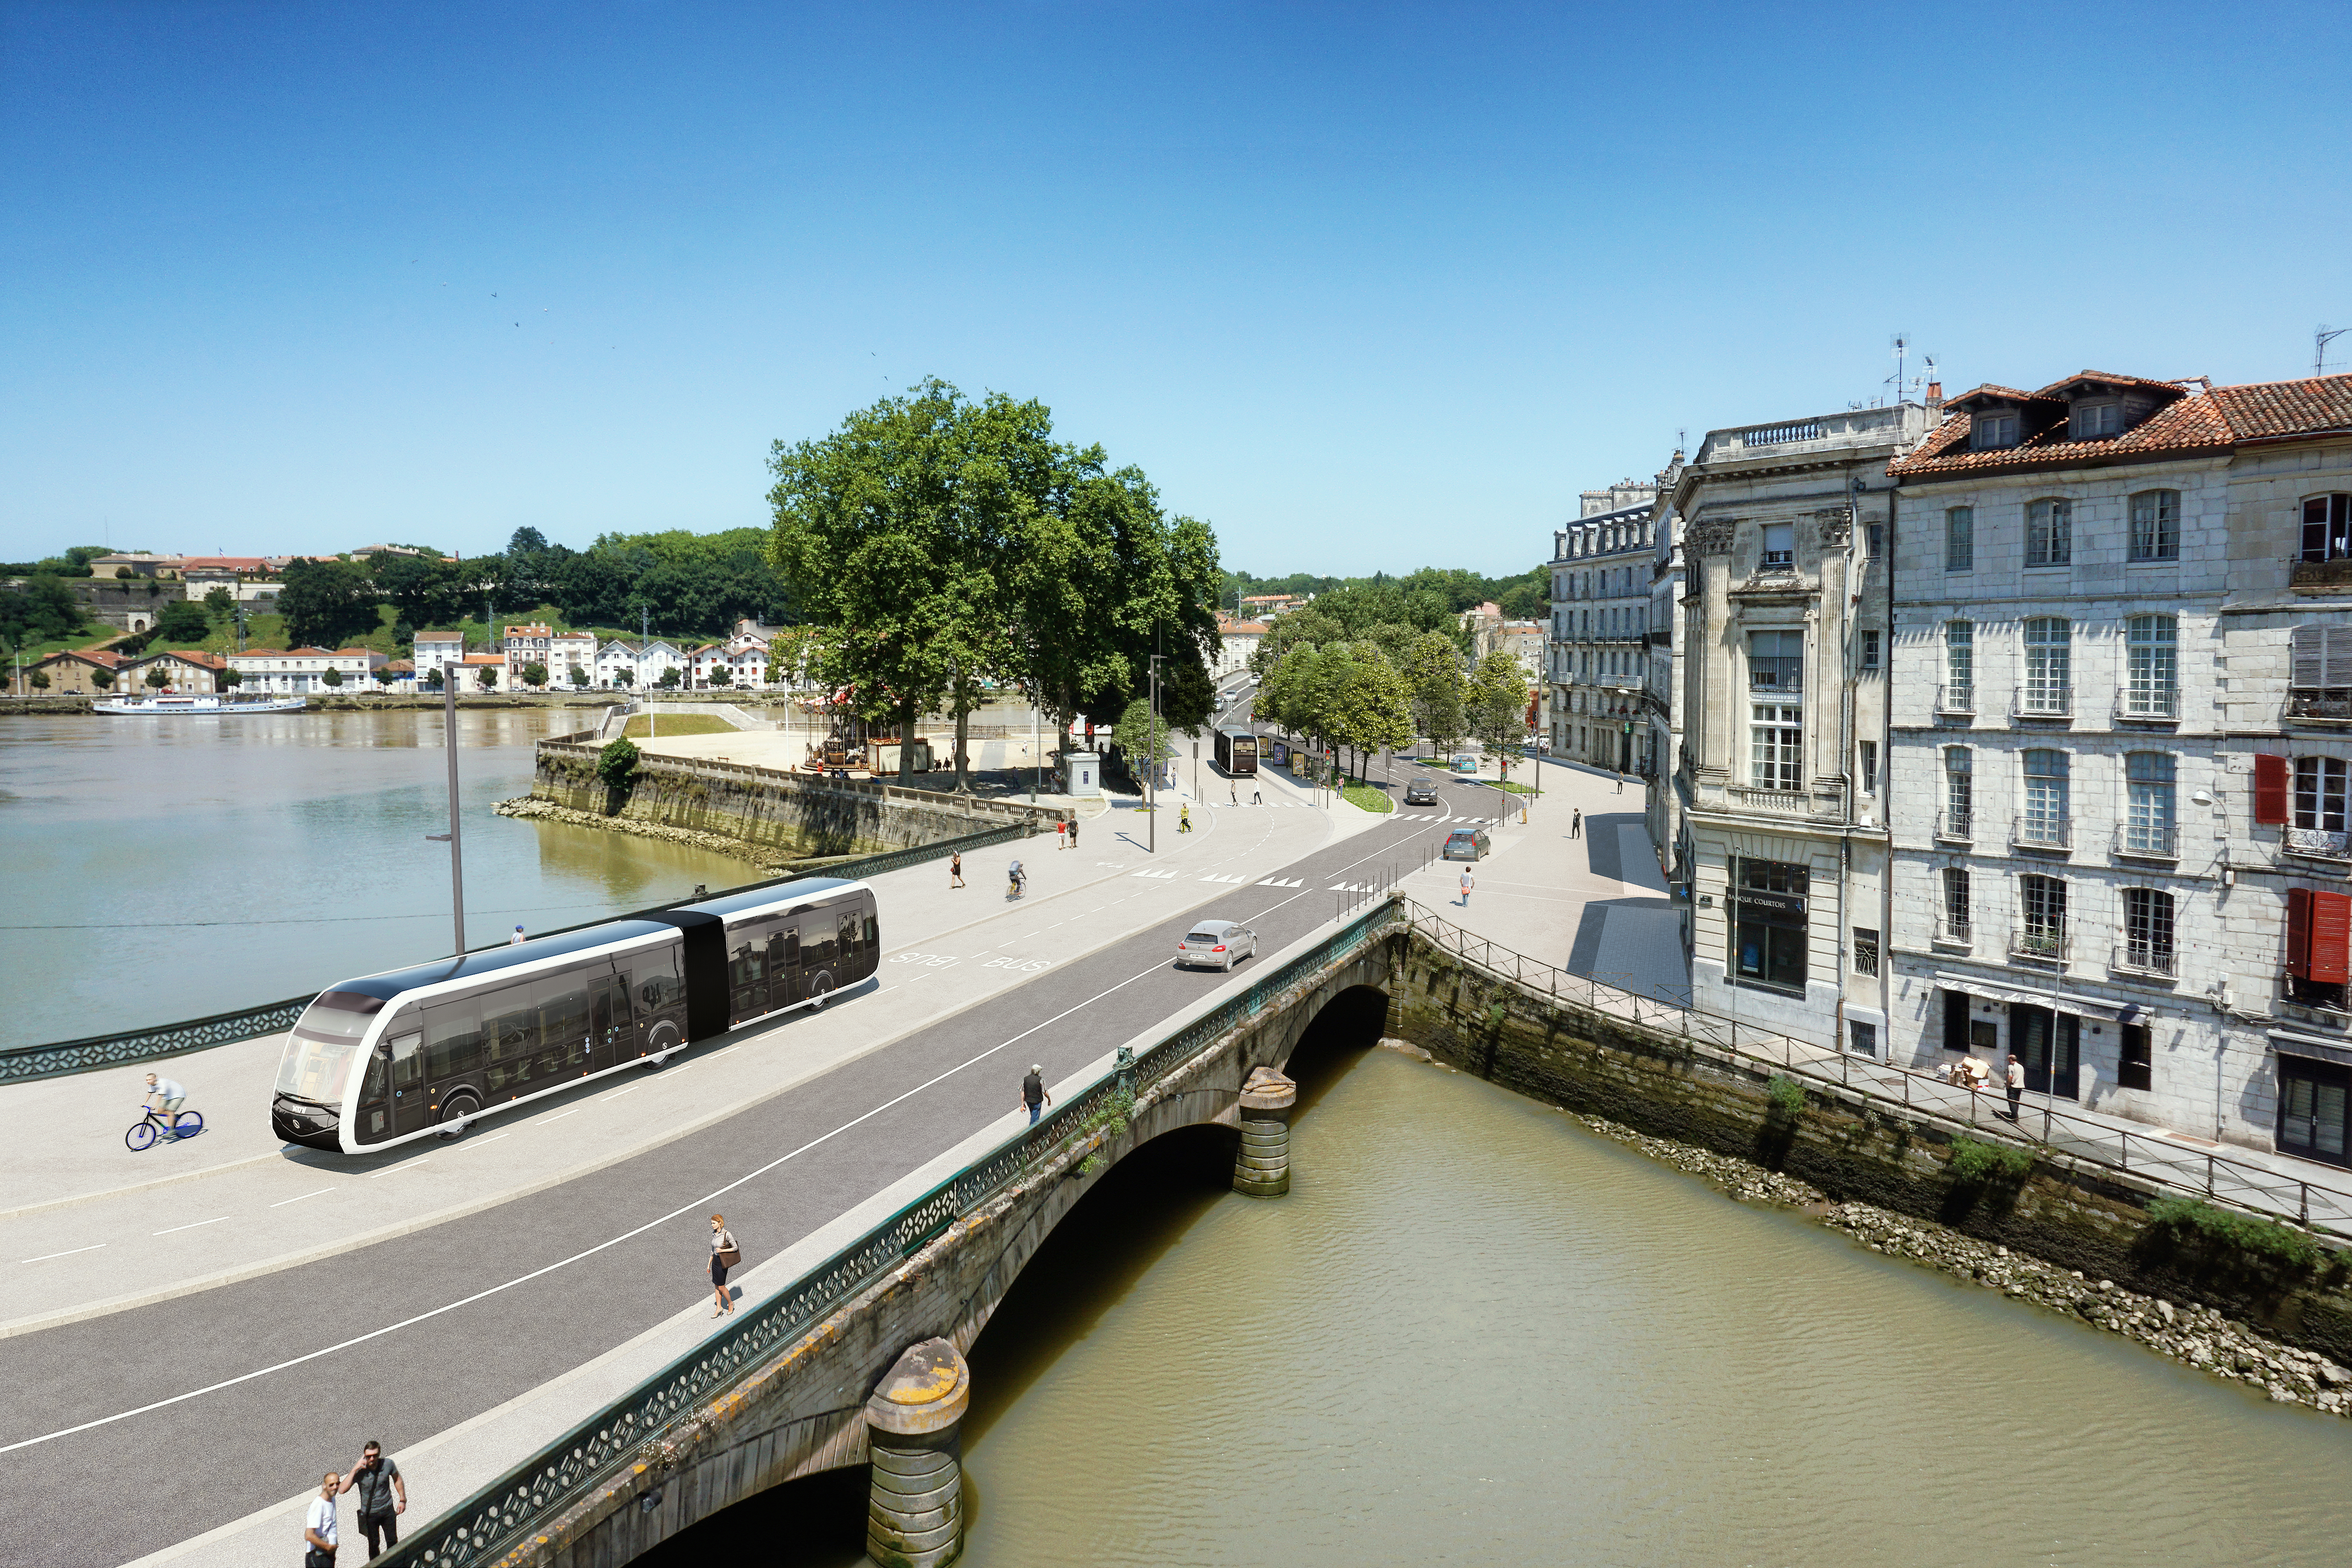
2076	1216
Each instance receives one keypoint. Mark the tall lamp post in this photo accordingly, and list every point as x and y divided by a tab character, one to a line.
456	849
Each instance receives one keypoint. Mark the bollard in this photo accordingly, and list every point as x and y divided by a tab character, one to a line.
914	1510
1261	1164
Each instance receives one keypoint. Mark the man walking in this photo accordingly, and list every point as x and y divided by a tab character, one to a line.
382	1496
1033	1092
167	1098
1468	882
955	870
1576	823
2016	1079
319	1524
516	940
1073	833
1061	834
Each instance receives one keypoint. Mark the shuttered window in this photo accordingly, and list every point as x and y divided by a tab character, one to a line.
2323	659
2270	788
2317	926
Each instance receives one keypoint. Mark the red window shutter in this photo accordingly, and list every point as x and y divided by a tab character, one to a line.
2331	926
2298	932
2270	787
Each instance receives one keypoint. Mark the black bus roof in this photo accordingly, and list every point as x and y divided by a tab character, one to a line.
620	928
1240	734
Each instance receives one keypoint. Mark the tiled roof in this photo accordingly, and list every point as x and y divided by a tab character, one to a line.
197	656
2257	411
1994	389
1242	628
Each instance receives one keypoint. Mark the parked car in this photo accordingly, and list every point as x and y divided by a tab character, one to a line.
1420	792
1216	944
1465	761
1468	844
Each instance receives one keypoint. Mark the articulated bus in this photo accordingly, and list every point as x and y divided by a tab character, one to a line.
390	1058
1237	752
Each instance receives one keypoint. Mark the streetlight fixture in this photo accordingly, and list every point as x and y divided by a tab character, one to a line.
456	849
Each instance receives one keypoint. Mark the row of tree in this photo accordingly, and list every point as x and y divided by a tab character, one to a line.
1436	592
935	544
1363	694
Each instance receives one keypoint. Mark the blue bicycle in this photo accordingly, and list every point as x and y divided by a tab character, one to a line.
144	1131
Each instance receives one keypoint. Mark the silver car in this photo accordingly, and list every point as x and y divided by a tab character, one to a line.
1217	944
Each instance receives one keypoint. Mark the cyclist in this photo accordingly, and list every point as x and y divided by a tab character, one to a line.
1020	880
165	1098
1183	819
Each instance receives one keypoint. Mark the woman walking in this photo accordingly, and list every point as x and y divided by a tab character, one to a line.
955	870
724	1255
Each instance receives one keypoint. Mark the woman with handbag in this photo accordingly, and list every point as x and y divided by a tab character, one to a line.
724	1255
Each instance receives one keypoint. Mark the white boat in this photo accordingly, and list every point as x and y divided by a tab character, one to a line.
213	705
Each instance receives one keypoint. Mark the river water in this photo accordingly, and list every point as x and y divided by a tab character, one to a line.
164	868
1474	1332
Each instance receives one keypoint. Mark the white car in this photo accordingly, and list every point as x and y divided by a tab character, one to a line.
1217	944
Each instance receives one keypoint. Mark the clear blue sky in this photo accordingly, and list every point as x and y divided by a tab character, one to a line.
1364	287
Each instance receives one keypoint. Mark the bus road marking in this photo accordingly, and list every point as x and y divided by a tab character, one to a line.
395	1169
283	1202
199	1224
69	1253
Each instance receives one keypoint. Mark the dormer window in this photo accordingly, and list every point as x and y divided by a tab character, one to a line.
1989	431
2091	421
1779	546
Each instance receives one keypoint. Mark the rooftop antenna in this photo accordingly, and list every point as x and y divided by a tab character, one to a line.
2320	339
1901	344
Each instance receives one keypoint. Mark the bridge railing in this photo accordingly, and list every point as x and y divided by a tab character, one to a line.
2151	1156
19	1063
531	1497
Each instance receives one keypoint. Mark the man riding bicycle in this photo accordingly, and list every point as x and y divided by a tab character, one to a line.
165	1098
1020	880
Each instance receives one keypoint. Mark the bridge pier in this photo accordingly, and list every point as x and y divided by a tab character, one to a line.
914	1513
1261	1164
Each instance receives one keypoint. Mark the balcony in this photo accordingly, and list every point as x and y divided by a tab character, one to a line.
1955	933
2316	844
2050	835
1784	435
2147	841
2144	958
1955	827
2039	947
2317	704
2043	702
2148	705
1768	802
2320	576
1959	701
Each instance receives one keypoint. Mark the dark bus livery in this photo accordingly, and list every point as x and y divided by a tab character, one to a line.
388	1058
1237	752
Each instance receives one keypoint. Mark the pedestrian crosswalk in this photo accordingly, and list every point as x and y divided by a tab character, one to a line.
1214	877
1160	876
1281	882
1267	804
1351	888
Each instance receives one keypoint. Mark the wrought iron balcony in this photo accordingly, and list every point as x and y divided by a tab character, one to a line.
2042	832
2148	841
2317	704
1955	933
2039	947
2144	958
2317	844
2043	702
2320	575
1956	826
2148	705
1956	699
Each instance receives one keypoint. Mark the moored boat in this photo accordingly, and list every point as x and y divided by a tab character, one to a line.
197	704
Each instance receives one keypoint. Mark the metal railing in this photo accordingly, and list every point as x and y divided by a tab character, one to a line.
2148	841
2148	704
2149	1155
2043	702
2040	832
1956	826
2319	704
2317	843
702	767
2143	958
2301	574
18	1063
2039	947
532	1495
1959	934
1956	699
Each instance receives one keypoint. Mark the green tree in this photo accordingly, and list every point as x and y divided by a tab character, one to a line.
40	680
327	604
616	764
156	679
102	677
579	676
1497	706
182	621
1433	669
1371	705
486	676
45	611
333	677
1134	734
433	677
218	602
1187	695
122	573
231	676
669	679
534	676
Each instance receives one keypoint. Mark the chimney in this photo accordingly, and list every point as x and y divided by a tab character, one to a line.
1935	397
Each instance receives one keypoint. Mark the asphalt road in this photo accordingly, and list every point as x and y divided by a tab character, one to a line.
205	1461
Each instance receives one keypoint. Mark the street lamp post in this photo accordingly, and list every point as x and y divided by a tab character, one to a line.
456	849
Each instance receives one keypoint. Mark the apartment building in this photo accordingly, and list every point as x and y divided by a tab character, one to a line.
1781	775
1662	680
1601	574
2122	730
434	649
527	643
304	669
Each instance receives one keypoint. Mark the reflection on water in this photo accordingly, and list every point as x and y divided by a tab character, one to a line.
1474	1332
166	868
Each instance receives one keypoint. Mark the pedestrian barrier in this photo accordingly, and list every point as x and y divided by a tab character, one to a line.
19	1063
530	1497
2149	1156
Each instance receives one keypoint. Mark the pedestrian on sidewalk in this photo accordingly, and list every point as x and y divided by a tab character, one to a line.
1468	882
1620	781
1061	834
955	870
318	1525
1257	797
382	1497
2016	1086
516	940
1073	833
167	1098
1576	823
1183	819
1033	1092
724	1255
1234	791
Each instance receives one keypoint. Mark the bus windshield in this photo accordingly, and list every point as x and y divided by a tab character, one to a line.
325	1038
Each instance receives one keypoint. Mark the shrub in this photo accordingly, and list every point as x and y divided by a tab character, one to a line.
1788	1096
616	764
1975	1161
2265	1238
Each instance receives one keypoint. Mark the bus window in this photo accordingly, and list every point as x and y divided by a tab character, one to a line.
848	939
510	1031
562	1003
816	944
656	975
608	1017
375	1114
453	1040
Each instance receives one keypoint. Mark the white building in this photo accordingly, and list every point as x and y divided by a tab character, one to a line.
1601	571
304	669
535	642
1783	837
1237	641
626	665
740	661
434	649
2122	730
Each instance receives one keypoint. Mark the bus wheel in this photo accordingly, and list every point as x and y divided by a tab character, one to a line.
454	1112
820	988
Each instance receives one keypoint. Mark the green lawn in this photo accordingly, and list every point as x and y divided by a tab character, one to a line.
643	724
1368	797
89	636
1512	787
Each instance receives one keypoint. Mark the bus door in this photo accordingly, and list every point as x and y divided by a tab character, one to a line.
609	1031
747	978
785	966
404	1043
372	1121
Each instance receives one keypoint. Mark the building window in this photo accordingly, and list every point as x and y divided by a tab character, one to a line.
1870	649
1776	737
1769	923
2319	676
2312	1098
1987	431
1959	667
1776	662
2148	803
2042	908
1874	540
2089	421
2050	533
2049	673
1779	545
1959	791
2327	527
2152	666
2319	789
1865	950
1864	1036
1957	926
2148	930
2045	820
1869	750
1960	539
2136	1066
2155	525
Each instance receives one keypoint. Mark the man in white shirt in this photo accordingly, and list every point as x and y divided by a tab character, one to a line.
166	1097
318	1526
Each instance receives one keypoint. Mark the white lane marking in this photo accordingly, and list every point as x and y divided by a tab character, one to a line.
395	1169
716	1055
478	1142
615	1094
314	1193
69	1253
558	1116
197	1226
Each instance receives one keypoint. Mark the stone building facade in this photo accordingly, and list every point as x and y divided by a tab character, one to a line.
1601	571
1781	771
1663	805
2121	732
